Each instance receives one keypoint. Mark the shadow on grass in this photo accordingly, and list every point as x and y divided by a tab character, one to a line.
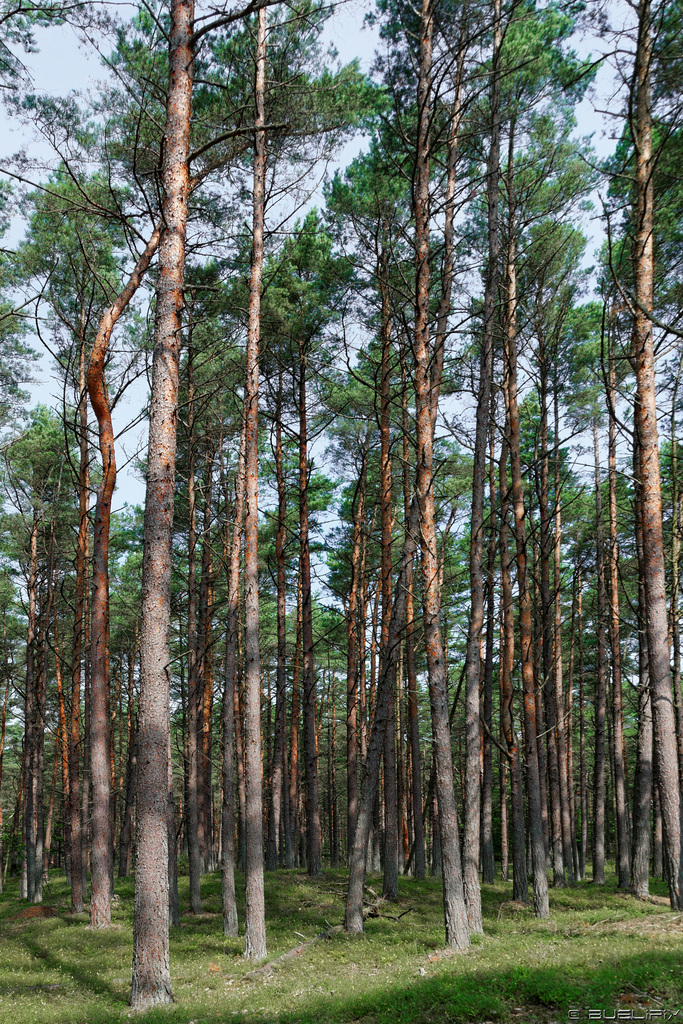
522	994
62	965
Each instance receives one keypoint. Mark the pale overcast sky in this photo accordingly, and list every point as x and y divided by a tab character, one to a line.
64	63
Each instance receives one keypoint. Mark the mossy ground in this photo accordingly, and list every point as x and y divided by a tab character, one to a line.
601	949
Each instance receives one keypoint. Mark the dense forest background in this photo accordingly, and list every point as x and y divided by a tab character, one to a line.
404	594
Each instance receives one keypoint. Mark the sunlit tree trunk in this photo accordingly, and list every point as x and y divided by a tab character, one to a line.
151	969
100	737
659	666
255	918
230	703
426	398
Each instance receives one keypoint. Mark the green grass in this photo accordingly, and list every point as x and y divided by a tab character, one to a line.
601	949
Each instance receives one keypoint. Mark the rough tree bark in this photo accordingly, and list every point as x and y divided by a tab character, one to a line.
426	399
100	772
620	796
151	970
232	626
646	425
538	855
255	914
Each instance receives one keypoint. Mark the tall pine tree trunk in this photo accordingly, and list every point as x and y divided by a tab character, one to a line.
538	854
426	398
151	969
646	425
255	919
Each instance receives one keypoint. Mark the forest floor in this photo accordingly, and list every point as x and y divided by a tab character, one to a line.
601	950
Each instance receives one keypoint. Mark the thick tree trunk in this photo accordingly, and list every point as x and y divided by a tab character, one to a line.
255	916
151	970
100	737
659	667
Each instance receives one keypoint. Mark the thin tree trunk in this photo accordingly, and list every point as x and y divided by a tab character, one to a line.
313	834
231	728
411	668
643	783
520	888
352	652
488	864
390	880
75	838
426	399
476	625
277	773
562	742
353	921
623	851
600	685
193	676
547	624
30	714
583	769
538	854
